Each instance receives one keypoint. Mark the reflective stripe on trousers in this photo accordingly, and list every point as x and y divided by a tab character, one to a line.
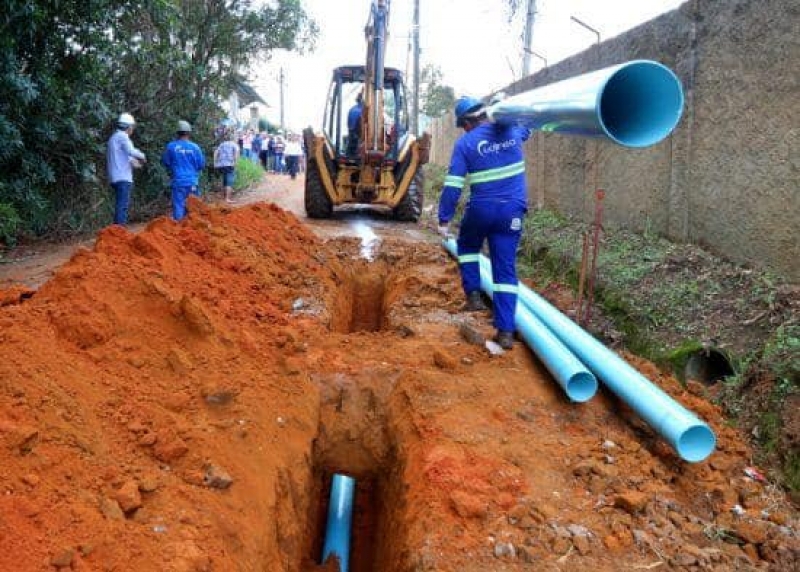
500	223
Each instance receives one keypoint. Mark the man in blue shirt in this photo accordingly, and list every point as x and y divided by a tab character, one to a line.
490	157
184	160
121	157
354	126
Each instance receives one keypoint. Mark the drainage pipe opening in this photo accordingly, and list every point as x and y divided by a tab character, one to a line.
708	366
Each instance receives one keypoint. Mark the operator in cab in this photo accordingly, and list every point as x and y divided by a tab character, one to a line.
354	125
490	157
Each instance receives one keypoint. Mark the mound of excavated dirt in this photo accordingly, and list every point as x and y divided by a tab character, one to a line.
178	400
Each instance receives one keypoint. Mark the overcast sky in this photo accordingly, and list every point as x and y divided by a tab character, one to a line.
471	41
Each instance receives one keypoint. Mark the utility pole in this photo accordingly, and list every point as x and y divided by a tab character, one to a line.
415	102
283	124
528	38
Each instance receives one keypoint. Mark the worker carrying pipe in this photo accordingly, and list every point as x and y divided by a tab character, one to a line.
490	156
634	104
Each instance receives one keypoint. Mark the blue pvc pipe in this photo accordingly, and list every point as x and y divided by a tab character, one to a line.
577	381
634	104
689	436
340	520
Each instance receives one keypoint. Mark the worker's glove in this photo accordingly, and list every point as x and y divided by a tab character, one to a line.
444	230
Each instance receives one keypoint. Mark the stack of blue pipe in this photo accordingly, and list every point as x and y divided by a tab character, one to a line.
570	354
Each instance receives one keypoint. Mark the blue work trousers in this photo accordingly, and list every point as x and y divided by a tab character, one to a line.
122	199
500	223
179	196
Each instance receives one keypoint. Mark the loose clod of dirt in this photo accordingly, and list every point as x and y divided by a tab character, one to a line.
178	399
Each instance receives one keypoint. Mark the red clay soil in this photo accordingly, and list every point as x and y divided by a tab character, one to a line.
177	400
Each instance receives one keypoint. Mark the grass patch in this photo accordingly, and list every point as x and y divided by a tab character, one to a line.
667	301
247	174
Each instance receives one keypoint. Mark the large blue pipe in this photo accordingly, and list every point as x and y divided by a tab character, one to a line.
578	383
634	104
688	435
340	520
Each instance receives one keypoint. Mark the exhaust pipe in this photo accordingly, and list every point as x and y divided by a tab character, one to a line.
692	439
634	104
576	381
340	520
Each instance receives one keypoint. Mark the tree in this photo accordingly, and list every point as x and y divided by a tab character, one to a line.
52	75
437	99
194	52
67	68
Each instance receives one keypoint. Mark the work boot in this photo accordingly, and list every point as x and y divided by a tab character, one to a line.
475	302
504	339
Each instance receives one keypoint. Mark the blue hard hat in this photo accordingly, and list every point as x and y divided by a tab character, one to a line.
465	105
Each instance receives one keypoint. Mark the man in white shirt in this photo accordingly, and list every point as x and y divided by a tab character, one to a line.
121	158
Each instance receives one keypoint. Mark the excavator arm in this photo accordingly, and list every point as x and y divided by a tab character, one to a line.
373	128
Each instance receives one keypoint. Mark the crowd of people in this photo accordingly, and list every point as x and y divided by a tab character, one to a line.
275	153
184	161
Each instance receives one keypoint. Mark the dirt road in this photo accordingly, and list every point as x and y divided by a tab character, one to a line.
178	399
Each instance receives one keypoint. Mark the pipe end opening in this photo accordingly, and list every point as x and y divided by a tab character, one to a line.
641	104
708	366
696	443
581	387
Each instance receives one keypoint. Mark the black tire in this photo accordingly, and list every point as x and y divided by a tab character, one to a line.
410	206
318	203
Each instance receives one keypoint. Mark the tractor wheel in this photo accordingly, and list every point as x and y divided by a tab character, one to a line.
318	203
410	206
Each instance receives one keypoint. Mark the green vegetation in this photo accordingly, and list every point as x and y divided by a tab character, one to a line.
668	302
9	223
247	173
436	98
434	181
68	68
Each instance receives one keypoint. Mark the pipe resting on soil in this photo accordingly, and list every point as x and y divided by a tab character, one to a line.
340	519
691	438
576	381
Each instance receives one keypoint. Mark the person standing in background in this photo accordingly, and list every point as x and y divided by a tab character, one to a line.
184	160
247	144
270	153
225	157
293	152
280	147
121	158
263	155
255	148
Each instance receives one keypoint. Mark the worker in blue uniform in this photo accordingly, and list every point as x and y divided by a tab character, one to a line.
354	125
184	160
490	157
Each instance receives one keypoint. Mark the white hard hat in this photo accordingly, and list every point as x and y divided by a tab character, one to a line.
126	120
184	127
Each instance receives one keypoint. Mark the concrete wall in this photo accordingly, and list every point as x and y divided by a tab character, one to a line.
728	177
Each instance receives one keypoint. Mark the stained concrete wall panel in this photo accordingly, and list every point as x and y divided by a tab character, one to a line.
747	115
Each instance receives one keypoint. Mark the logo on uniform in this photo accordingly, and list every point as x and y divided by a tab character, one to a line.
484	147
516	224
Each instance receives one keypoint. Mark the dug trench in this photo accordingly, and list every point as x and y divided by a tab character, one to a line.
178	400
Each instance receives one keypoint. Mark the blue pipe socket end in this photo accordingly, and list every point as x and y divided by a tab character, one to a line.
692	439
568	350
340	521
634	104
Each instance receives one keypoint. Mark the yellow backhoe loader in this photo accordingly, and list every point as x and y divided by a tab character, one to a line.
378	161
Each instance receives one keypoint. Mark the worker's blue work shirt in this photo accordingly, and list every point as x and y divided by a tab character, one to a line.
353	117
184	159
489	157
